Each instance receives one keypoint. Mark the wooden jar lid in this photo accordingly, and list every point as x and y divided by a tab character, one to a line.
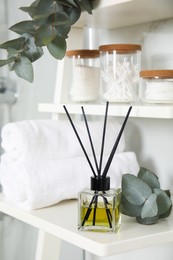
120	47
156	73
83	53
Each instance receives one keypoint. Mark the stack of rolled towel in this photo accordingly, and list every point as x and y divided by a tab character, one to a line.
44	164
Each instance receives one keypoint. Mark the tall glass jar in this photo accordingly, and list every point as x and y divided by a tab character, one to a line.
120	65
157	86
84	66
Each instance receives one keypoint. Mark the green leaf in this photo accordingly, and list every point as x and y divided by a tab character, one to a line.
129	209
16	44
73	13
24	69
41	21
61	22
31	9
85	5
135	190
45	34
7	61
24	27
67	2
31	51
166	214
46	8
57	48
59	18
163	201
149	177
147	221
150	208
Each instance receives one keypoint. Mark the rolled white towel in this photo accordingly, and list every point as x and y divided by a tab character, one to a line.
37	184
48	139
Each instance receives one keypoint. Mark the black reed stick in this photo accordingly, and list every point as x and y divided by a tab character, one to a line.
103	137
89	208
116	144
77	135
90	139
95	209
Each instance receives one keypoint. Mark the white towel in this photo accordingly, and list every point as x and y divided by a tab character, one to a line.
48	139
37	184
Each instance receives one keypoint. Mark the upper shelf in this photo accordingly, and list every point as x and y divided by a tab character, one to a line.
110	14
141	111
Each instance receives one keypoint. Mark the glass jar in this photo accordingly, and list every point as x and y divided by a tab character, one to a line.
99	208
120	65
84	82
156	86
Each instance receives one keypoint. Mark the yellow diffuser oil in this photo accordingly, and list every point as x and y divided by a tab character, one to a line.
99	210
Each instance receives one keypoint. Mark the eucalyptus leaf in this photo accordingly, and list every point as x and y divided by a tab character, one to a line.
24	69
168	193
61	22
13	56
7	61
46	8
85	5
147	221
41	21
59	18
129	209
135	190
31	9
163	201
150	208
73	13
149	177
16	44
166	214
24	27
31	51
57	48
45	34
67	2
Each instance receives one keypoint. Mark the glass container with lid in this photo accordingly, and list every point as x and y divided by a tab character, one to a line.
120	65
84	82
156	86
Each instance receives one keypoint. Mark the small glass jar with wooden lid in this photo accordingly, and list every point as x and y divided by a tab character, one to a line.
84	69
120	65
156	86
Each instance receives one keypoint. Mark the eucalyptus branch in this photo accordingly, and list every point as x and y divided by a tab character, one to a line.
50	23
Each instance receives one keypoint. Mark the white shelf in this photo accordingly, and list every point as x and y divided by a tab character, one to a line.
125	13
61	221
145	111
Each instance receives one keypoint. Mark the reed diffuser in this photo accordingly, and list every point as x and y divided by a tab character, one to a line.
99	207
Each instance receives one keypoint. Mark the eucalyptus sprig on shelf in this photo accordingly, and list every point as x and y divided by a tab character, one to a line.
143	198
50	23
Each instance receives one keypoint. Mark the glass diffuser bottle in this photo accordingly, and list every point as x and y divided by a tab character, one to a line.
99	208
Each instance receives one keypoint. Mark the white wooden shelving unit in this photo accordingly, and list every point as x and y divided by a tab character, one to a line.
146	111
111	14
60	221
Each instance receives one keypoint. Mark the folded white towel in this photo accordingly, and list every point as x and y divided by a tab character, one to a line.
41	183
48	139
